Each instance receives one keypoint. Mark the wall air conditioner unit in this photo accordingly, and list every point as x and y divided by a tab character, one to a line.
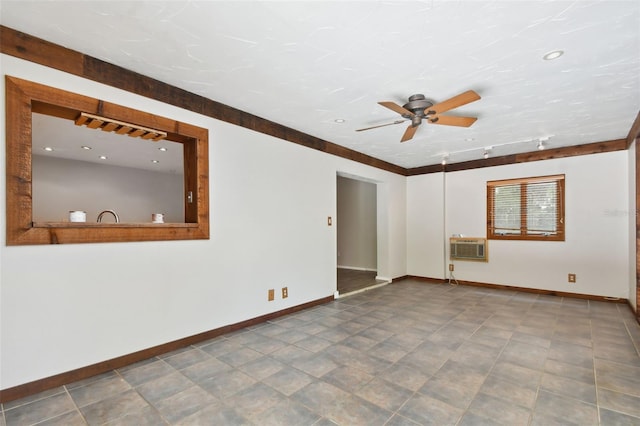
467	248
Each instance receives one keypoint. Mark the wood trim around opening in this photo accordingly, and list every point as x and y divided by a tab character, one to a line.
24	97
523	182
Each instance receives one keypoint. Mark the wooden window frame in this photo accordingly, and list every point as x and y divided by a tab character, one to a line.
559	235
25	97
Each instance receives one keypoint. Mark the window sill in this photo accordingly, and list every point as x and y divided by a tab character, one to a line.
527	237
93	232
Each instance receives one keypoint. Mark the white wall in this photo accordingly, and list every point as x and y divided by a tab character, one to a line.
596	225
632	226
60	185
357	224
269	202
425	225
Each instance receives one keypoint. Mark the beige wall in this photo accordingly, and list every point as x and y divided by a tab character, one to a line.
60	185
357	224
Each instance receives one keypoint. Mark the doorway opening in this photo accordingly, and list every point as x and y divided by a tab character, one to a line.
357	236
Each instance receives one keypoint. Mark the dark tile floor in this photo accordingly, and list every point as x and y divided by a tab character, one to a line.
352	280
408	353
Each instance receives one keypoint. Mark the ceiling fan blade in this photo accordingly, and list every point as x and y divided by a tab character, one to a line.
381	125
408	134
462	99
397	108
450	120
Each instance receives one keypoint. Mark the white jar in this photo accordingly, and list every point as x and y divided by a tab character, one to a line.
77	216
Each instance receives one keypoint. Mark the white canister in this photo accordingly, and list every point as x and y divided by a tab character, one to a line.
157	218
77	216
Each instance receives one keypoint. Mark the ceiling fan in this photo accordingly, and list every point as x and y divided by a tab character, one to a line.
419	108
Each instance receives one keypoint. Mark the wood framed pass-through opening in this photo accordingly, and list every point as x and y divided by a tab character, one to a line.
24	98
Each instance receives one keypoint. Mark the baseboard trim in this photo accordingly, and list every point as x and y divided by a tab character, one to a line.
51	382
522	289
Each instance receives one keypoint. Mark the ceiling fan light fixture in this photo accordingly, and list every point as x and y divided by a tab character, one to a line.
554	54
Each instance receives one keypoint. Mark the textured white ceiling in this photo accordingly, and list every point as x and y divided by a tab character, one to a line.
304	64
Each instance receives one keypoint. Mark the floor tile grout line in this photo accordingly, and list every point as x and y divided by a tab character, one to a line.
595	374
75	405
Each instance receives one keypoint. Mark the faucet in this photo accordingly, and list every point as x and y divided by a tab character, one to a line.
108	211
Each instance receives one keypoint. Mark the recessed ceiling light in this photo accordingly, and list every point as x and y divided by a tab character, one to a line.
155	161
339	120
103	157
555	54
48	149
444	160
540	145
163	149
86	147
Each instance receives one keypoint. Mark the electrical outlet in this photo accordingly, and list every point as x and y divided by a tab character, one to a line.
572	278
329	221
272	295
285	292
451	267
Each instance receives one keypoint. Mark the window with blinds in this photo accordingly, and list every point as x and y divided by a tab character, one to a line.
526	209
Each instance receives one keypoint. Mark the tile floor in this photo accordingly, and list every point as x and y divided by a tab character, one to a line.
409	353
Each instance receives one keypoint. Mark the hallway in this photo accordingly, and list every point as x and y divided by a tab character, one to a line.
352	280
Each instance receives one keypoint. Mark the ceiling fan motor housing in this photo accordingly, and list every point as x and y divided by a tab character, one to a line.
417	104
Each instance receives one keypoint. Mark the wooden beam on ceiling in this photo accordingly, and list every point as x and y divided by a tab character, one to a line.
33	49
634	132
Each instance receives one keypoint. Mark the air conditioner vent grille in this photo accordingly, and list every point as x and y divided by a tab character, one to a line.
468	249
